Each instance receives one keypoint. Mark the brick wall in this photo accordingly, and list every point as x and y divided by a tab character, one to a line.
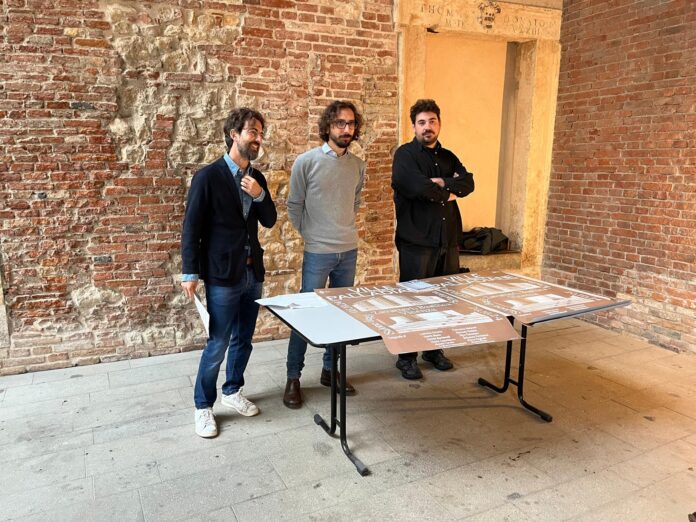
622	203
106	111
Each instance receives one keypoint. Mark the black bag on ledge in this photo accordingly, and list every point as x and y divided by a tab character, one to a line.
483	240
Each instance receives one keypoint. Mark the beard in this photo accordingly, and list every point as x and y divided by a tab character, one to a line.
249	151
427	138
342	141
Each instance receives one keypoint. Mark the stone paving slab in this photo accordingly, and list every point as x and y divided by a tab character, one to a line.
32	427
128	479
309	454
22	379
144	389
115	508
152	373
664	500
79	372
42	408
37	500
575	497
143	425
55	390
507	512
485	484
26	447
230	455
116	441
42	470
398	503
191	495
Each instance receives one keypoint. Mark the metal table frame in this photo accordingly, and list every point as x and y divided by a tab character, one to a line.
338	356
338	393
519	382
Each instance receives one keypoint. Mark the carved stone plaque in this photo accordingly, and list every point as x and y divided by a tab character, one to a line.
504	19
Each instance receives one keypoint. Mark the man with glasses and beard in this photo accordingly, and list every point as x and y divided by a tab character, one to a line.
324	197
427	179
226	202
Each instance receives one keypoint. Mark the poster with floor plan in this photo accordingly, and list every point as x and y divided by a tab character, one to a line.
526	299
461	309
419	316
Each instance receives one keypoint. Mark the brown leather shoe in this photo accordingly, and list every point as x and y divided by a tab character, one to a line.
292	397
325	380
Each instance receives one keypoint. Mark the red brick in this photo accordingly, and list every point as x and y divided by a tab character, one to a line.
621	139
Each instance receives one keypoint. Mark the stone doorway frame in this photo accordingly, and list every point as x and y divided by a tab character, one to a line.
529	105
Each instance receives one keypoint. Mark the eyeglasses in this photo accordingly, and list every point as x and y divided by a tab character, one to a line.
342	124
253	133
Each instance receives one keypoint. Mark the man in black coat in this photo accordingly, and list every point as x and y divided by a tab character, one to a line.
427	179
226	202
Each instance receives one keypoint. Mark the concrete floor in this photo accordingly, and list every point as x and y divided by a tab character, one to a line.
116	441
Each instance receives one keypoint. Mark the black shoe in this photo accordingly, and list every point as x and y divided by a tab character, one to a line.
438	359
409	369
325	380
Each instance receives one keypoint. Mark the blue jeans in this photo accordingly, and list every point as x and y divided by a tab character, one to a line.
233	313
317	269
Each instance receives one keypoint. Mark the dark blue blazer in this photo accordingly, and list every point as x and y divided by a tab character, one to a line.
215	232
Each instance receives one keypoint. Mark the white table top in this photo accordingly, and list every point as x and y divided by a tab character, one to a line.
322	324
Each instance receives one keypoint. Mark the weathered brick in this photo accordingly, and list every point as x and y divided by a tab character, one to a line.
613	118
96	169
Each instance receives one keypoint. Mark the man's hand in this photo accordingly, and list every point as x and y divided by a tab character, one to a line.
189	288
251	186
441	183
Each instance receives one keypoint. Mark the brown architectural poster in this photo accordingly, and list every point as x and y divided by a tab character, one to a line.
419	316
461	309
526	299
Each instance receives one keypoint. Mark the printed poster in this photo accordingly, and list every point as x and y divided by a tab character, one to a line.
461	309
526	299
417	316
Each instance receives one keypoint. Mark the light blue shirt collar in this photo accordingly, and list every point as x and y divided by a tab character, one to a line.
326	149
234	168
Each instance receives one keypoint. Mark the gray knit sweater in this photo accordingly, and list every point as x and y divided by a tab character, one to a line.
324	199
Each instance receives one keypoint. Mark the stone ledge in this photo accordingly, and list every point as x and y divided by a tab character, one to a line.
508	260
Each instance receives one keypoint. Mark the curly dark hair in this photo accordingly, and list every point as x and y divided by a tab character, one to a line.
424	105
330	114
238	118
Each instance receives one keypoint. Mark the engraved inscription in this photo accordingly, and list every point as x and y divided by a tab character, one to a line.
490	16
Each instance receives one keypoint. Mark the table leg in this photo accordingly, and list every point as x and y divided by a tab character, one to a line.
520	376
318	418
506	381
520	380
339	352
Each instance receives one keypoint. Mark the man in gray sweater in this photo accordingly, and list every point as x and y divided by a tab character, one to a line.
325	187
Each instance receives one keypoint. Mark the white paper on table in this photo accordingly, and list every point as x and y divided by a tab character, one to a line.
205	317
305	300
416	285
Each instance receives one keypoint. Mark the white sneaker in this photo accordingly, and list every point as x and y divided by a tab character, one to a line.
205	423
240	403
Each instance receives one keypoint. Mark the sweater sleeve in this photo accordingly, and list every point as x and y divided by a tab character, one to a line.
359	187
297	195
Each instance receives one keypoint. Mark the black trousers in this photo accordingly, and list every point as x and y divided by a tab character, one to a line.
419	262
